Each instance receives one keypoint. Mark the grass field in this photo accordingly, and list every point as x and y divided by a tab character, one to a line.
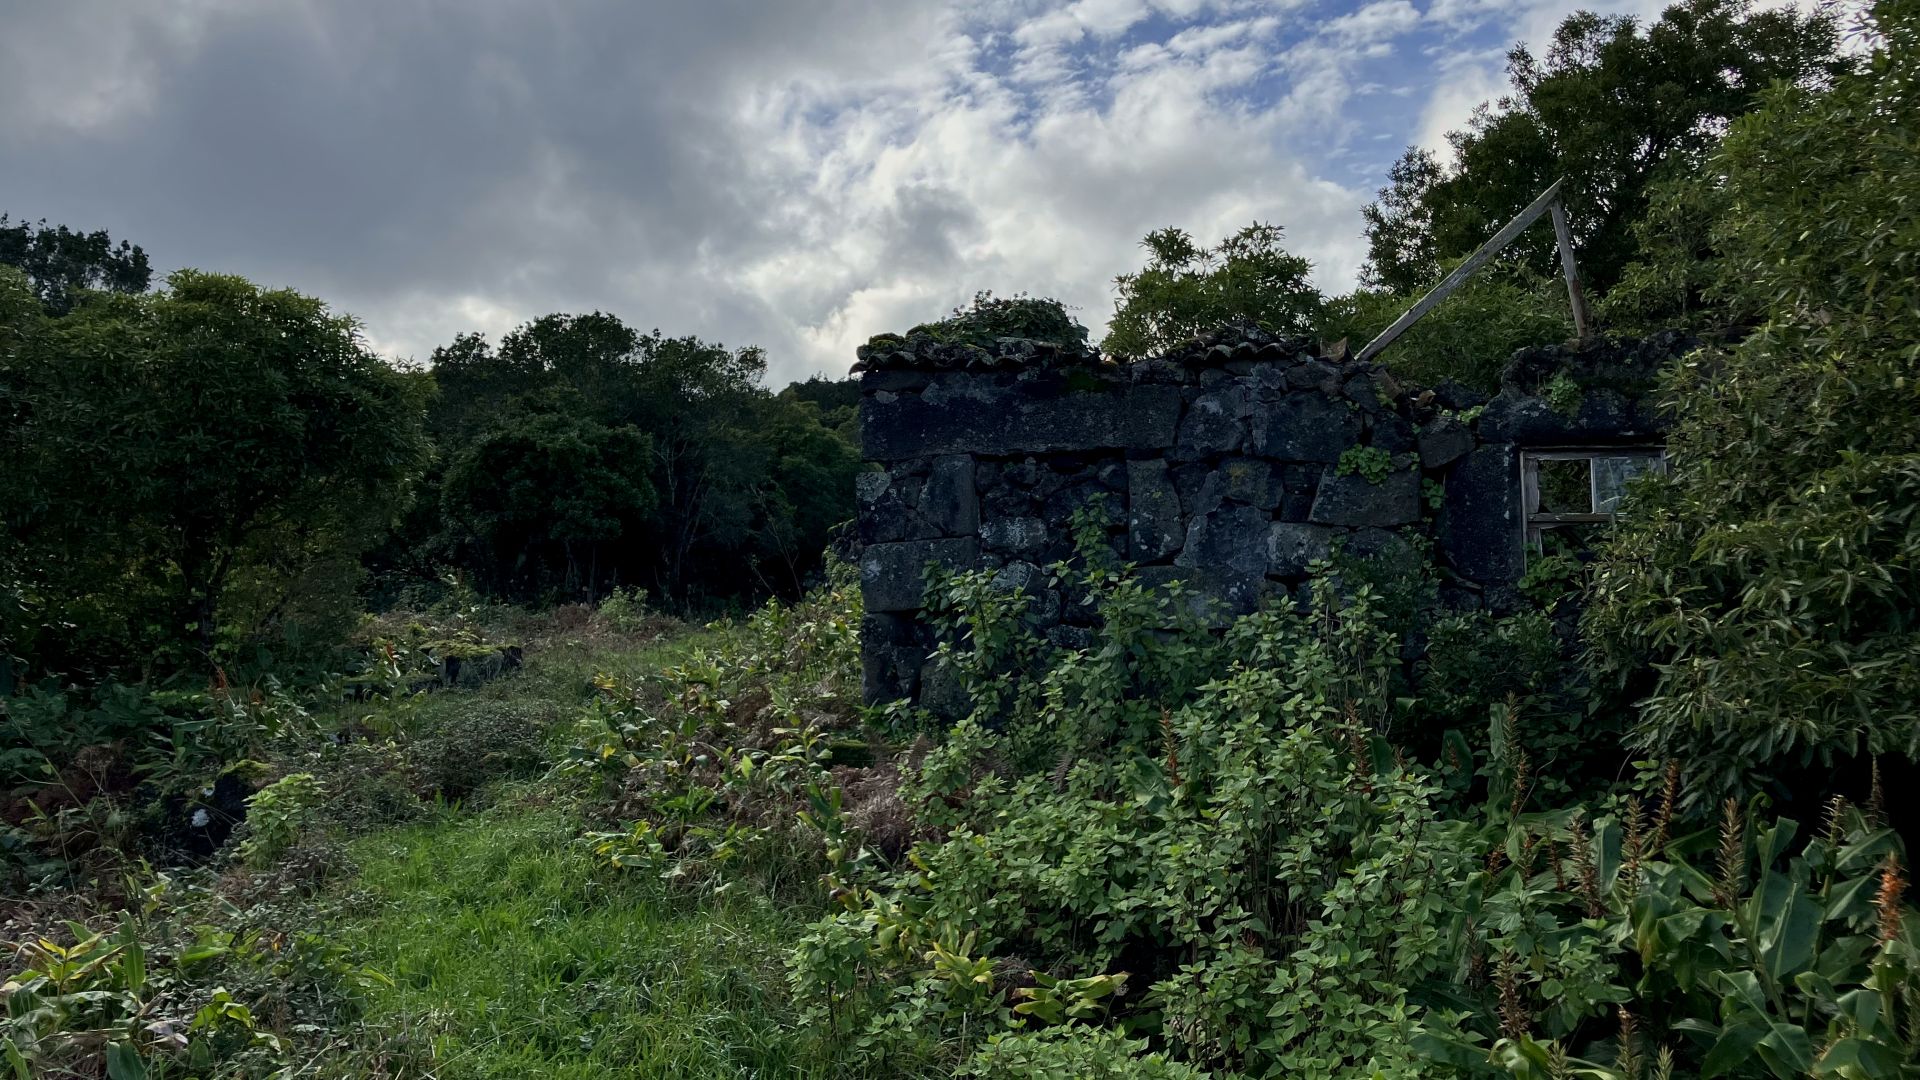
512	956
512	953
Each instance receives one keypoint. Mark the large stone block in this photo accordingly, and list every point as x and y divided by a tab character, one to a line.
1212	595
1352	500
949	502
1602	416
1155	528
1190	480
961	413
1232	539
1298	482
893	576
1390	432
1023	537
893	649
1244	480
1480	526
1216	423
1305	427
1293	546
883	511
1385	549
1043	604
1443	442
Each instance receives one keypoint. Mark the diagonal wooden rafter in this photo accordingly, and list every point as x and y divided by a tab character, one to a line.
1549	201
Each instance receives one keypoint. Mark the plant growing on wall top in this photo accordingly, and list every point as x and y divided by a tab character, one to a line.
989	318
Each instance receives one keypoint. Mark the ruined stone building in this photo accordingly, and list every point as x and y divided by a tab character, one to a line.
1231	465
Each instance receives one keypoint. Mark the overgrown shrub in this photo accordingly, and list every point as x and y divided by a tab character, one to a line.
1615	946
989	318
454	754
1214	817
368	786
1769	581
1186	290
181	983
1468	338
725	760
1082	1053
276	815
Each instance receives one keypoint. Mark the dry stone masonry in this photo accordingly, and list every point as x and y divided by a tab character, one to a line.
1231	465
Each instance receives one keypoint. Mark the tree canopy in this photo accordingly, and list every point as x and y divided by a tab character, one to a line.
1771	582
690	478
59	262
1186	290
1612	107
169	447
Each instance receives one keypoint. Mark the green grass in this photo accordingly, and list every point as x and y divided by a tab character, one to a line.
511	955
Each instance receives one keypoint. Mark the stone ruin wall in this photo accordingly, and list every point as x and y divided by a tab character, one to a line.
1219	466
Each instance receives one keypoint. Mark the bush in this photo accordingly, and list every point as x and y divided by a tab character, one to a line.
1186	290
1468	338
727	761
625	611
368	786
453	756
276	815
1615	940
1213	819
1082	1053
989	318
1768	581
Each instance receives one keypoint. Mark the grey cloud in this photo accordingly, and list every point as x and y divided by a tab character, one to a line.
435	166
553	155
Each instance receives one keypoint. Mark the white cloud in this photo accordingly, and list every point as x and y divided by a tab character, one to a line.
1377	21
799	176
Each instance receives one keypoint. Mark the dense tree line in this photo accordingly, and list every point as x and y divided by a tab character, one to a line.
579	455
212	473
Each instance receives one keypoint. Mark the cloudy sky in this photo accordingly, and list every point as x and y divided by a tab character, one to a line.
798	174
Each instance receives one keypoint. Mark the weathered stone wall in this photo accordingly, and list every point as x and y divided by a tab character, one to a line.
1220	466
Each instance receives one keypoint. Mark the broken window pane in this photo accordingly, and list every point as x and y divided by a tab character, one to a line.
1610	476
1565	487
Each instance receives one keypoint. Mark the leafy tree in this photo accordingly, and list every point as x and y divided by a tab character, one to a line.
165	447
740	487
541	496
810	474
60	262
1186	290
837	399
1771	580
1469	337
1399	226
1612	108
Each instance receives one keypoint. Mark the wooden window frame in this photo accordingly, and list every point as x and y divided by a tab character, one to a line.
1534	522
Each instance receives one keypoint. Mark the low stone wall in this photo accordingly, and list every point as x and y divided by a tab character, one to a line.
1230	465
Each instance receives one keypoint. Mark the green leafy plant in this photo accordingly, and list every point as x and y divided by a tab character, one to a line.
454	754
1089	1053
1767	581
721	762
1369	462
1563	395
276	815
104	1001
1613	941
625	610
989	318
1221	802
